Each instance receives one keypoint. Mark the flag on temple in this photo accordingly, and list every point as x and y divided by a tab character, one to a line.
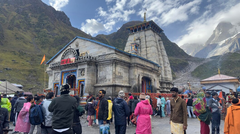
43	59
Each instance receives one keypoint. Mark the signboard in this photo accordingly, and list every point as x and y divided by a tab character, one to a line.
68	61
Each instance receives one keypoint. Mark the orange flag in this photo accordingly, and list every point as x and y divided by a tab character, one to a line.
43	59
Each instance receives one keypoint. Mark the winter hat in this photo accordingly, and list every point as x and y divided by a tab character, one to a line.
147	97
142	96
121	93
65	87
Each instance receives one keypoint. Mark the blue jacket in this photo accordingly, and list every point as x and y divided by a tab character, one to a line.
121	111
208	99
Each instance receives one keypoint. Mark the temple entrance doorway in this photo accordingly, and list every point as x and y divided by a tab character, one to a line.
146	85
71	80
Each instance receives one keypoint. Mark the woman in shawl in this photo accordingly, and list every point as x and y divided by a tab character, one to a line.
143	110
203	113
23	123
168	107
163	102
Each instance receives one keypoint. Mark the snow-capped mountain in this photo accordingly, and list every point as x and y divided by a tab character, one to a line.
225	38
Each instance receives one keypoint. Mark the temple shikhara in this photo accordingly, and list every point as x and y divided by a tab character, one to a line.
88	65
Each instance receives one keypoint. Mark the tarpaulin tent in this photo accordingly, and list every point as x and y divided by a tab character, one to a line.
7	88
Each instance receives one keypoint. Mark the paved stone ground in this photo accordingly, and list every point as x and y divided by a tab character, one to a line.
159	126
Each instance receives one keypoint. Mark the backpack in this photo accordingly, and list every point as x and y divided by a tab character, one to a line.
36	115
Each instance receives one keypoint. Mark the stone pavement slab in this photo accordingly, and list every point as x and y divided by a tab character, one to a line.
159	126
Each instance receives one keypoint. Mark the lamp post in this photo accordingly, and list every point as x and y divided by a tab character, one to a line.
189	86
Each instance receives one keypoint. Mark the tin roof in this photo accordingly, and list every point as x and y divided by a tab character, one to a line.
219	77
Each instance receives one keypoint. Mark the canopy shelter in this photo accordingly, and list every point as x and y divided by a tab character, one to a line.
220	82
7	88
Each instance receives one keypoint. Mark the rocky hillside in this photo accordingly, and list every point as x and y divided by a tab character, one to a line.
28	30
225	38
229	65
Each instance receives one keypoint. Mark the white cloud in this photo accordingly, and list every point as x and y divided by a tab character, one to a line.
58	4
92	26
118	12
201	28
133	3
170	11
109	1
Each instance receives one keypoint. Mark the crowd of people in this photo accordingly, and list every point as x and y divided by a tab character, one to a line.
60	115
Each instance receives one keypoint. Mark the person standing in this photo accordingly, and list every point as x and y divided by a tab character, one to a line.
202	112
91	111
190	107
134	104
159	105
46	128
62	108
5	103
168	107
163	102
110	105
121	112
208	97
18	106
178	118
13	101
143	111
3	119
216	116
232	122
129	102
103	108
37	101
23	122
77	127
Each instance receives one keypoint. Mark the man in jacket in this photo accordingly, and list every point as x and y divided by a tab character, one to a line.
62	108
121	112
46	128
18	106
3	119
103	108
178	117
216	116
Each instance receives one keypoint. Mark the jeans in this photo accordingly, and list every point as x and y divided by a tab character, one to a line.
120	129
100	122
46	130
33	127
216	119
190	110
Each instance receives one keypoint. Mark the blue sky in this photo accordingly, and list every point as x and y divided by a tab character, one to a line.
183	21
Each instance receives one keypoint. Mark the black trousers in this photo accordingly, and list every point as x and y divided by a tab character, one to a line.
77	128
120	129
160	111
216	120
69	131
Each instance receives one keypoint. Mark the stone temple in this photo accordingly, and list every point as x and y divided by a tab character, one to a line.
88	65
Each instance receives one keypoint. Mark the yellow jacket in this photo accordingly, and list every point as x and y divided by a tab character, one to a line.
110	104
232	122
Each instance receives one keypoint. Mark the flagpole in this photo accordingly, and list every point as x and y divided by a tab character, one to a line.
44	68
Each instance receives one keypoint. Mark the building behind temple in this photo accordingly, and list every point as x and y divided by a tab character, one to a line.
89	66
